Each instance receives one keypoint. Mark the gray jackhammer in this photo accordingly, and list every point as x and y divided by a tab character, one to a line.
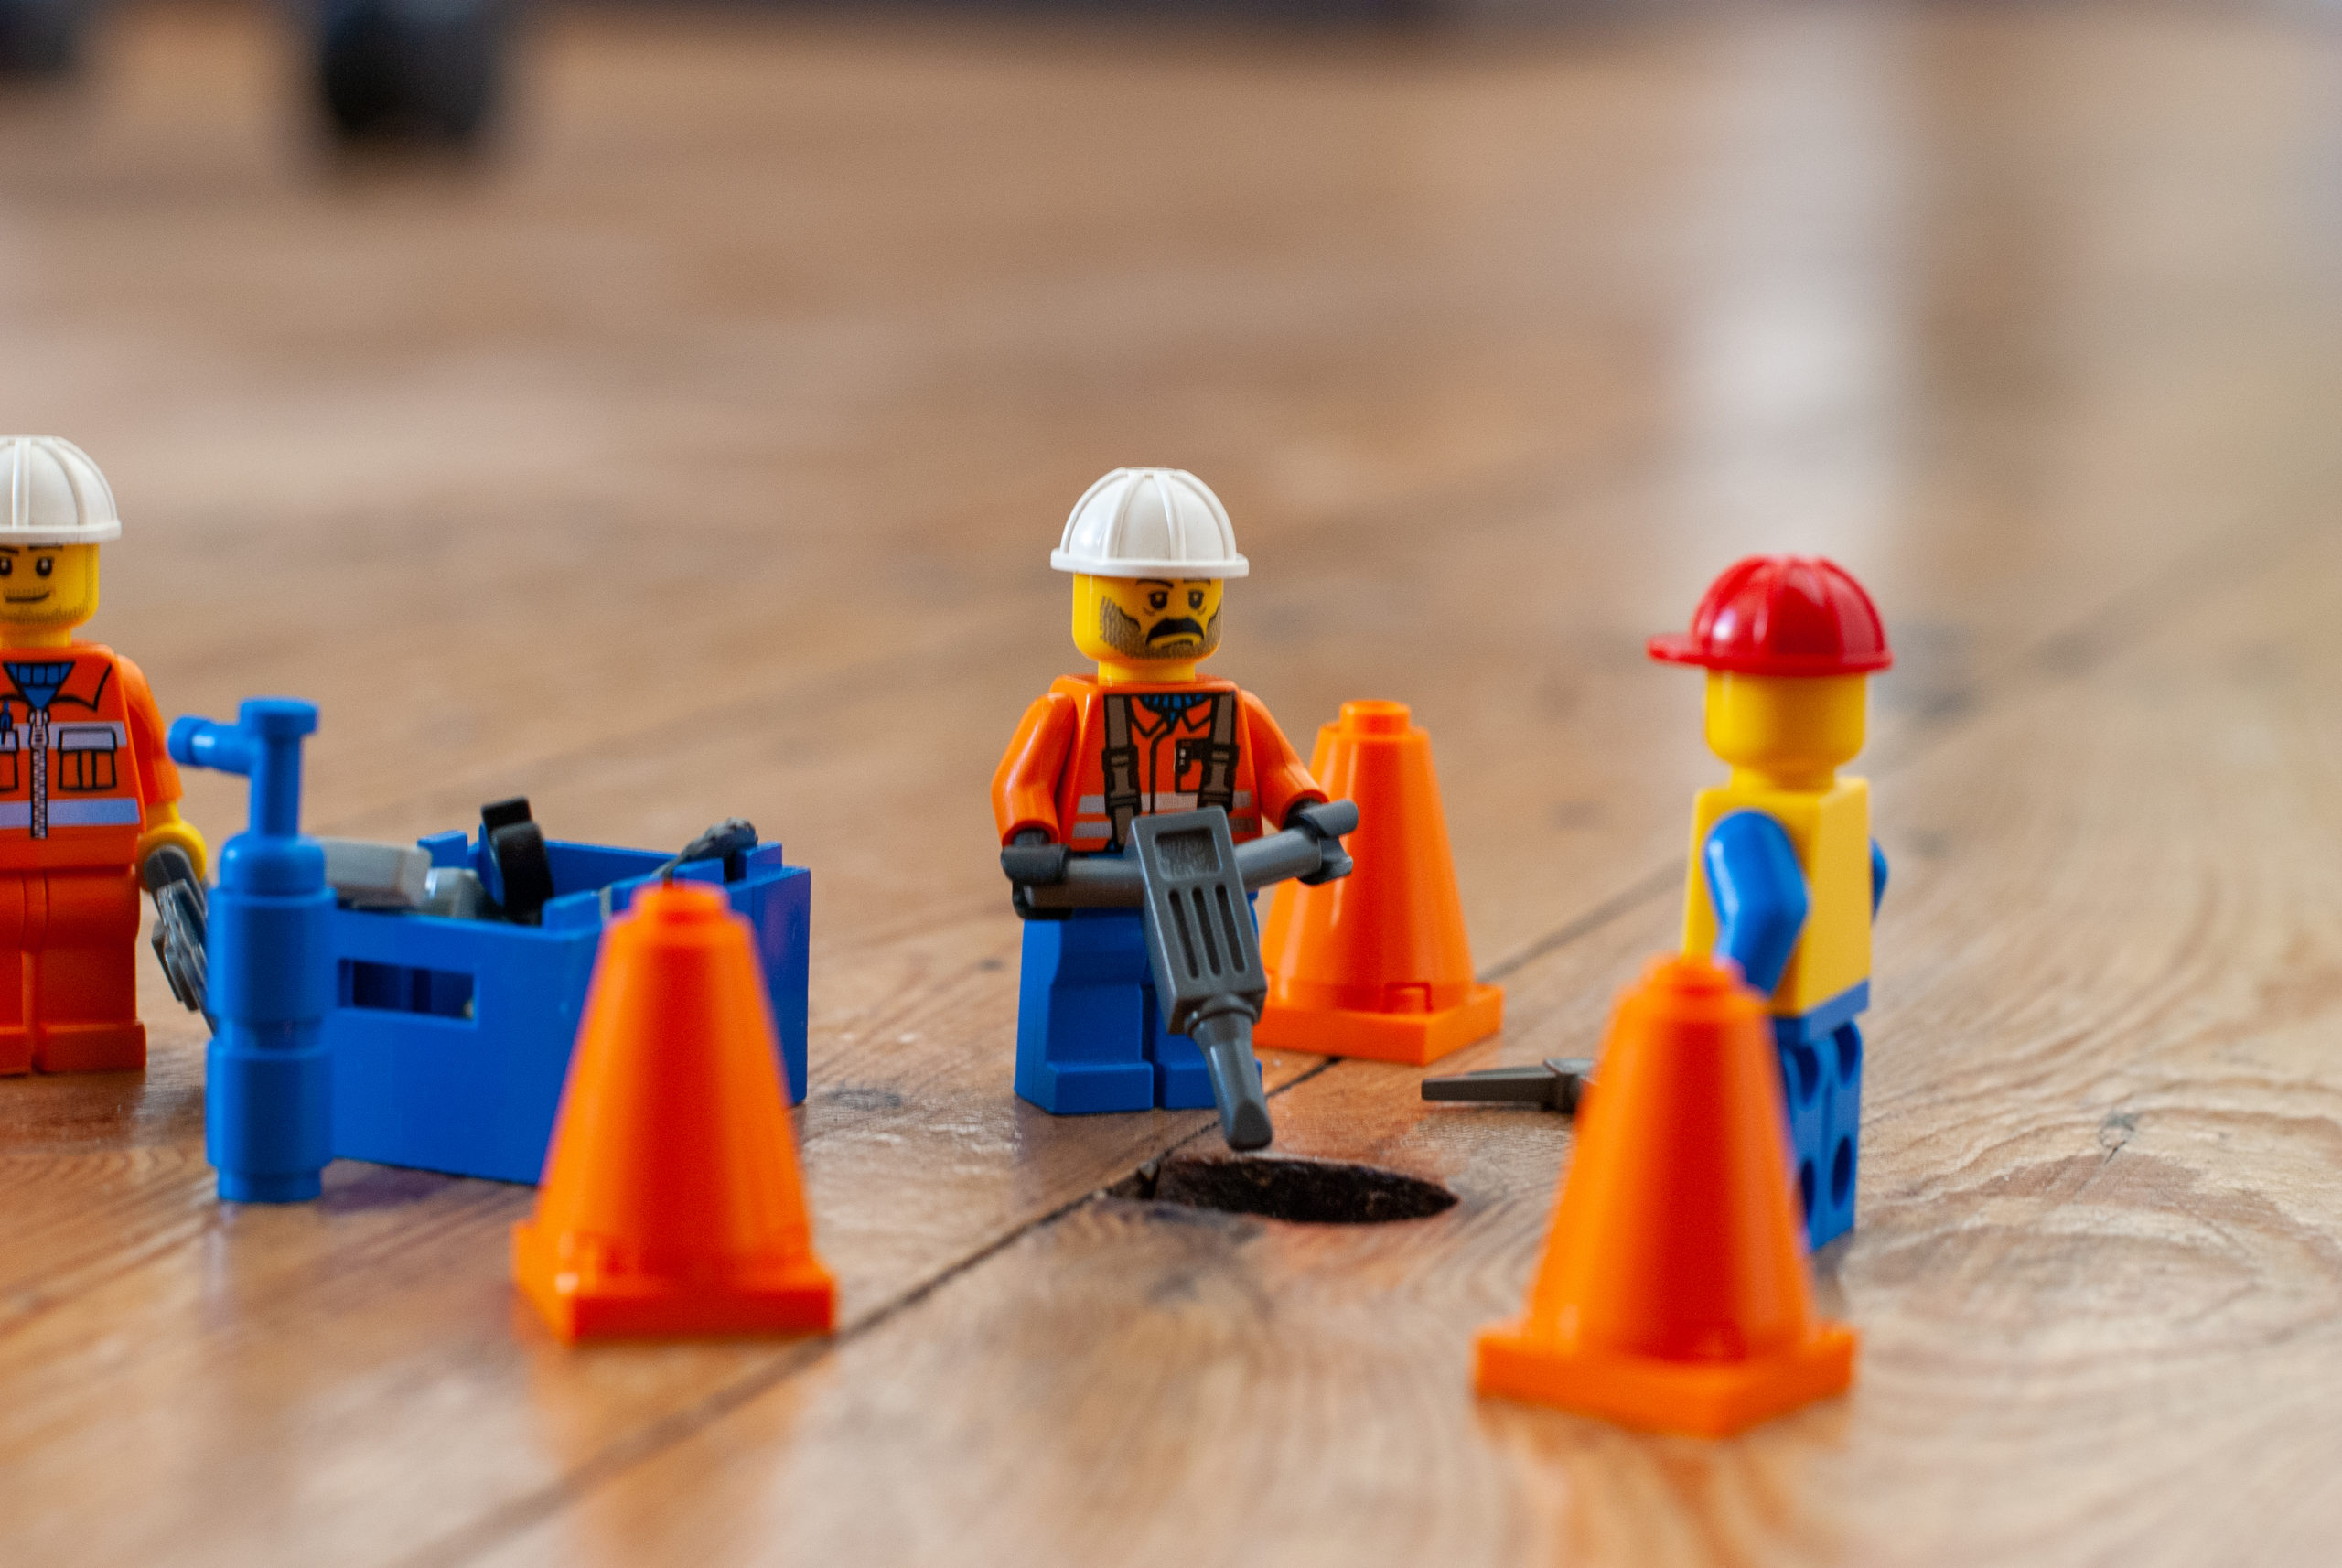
1190	878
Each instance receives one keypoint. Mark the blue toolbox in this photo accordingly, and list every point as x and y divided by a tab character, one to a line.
450	1038
409	1038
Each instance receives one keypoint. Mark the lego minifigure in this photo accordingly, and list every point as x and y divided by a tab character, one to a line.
1785	876
1150	551
88	799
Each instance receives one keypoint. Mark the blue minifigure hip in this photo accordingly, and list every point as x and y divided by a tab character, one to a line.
1090	1034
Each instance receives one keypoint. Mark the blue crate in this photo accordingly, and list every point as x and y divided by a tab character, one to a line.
450	1039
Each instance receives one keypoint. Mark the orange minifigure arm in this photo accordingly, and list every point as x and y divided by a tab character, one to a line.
1277	771
159	776
1025	789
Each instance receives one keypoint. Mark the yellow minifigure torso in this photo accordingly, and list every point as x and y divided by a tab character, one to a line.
1830	832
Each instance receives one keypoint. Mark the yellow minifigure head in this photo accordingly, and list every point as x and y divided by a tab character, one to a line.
48	589
60	510
1151	550
1130	621
1788	643
1793	730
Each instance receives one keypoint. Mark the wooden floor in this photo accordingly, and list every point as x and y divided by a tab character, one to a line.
702	455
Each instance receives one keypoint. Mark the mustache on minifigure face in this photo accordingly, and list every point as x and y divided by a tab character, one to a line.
1174	637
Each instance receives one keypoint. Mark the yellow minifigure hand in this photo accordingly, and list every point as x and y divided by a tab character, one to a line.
166	828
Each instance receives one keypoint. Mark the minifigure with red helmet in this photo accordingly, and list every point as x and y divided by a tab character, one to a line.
1785	878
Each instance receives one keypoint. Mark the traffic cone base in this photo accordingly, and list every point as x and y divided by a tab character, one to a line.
1416	1038
1702	1399
587	1303
1375	964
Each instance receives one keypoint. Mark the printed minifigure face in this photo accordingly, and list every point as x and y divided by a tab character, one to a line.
47	585
1793	727
1127	621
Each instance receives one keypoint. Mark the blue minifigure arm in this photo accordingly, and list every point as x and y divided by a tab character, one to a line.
1759	892
1877	877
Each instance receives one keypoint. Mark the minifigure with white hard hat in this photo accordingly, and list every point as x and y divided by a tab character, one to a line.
89	797
1151	551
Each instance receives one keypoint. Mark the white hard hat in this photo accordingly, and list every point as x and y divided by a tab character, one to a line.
1149	522
55	495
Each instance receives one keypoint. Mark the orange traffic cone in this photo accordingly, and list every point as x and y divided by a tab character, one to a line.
671	1203
1674	1292
1376	964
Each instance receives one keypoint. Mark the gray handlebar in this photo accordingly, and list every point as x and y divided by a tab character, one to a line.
1113	881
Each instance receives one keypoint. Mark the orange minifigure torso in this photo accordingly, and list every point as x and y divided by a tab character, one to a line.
82	758
1088	757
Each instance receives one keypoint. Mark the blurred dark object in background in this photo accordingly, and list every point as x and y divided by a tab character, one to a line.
418	72
40	37
411	71
434	73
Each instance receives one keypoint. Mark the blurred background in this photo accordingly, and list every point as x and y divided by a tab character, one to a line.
667	412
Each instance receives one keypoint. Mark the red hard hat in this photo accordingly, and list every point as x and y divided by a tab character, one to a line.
1782	615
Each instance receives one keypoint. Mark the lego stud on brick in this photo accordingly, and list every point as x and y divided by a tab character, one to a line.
671	1204
1674	1293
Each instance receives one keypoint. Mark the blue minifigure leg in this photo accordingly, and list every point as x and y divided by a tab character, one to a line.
1832	1214
1805	1091
1084	1013
1822	1082
1180	1081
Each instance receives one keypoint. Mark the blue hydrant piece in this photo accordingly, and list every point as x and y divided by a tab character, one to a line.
269	1096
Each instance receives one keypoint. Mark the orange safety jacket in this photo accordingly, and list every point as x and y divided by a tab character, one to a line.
1087	758
82	758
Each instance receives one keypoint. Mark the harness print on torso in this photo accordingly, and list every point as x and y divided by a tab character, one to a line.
1214	751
